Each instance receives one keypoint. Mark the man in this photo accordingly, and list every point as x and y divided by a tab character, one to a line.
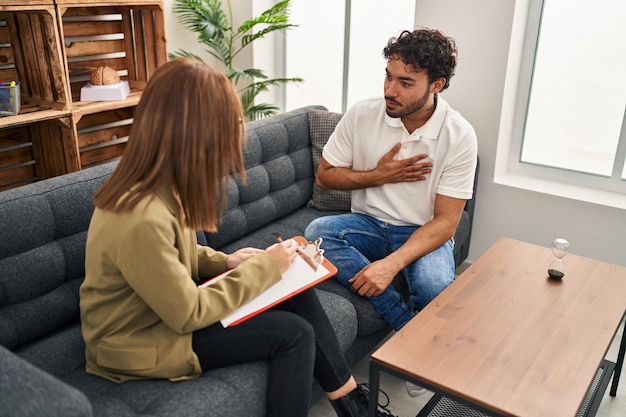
409	160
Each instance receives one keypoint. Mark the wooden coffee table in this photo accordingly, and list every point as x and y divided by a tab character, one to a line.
505	340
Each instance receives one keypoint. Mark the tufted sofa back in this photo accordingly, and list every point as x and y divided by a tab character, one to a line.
280	176
42	253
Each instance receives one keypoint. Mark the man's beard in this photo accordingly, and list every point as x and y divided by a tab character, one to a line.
410	108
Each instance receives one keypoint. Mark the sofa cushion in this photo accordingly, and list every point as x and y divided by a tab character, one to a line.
237	390
321	125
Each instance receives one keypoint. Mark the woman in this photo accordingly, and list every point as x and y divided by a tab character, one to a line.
142	313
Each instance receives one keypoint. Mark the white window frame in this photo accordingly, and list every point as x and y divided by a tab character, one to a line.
509	170
359	74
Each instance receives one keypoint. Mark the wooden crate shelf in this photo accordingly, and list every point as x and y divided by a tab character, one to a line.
30	53
91	3
36	151
81	108
25	5
102	136
51	47
17	162
128	38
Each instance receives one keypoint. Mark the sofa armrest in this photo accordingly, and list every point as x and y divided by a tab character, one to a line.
463	251
29	391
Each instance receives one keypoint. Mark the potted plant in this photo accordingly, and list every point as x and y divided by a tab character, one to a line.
215	29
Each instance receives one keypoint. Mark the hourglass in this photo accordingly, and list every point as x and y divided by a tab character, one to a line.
560	248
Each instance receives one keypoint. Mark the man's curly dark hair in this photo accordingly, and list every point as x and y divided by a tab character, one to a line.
425	50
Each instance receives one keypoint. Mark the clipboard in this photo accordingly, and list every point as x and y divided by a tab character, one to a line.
296	279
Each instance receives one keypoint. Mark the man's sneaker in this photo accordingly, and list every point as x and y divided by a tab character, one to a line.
414	390
364	394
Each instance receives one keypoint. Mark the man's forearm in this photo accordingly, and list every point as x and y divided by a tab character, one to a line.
387	171
423	241
337	178
433	234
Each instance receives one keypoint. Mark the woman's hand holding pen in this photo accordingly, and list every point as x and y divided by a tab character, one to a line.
241	255
284	253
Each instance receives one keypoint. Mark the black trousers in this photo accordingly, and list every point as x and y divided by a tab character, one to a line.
298	341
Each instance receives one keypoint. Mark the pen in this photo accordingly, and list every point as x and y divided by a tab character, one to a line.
304	256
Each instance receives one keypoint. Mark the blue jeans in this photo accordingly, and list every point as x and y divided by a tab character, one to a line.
352	241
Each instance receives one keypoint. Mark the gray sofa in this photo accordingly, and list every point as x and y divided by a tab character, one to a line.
43	231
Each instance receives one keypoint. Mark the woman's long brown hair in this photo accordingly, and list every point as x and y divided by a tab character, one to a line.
187	135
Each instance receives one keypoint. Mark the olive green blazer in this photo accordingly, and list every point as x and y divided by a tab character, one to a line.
140	302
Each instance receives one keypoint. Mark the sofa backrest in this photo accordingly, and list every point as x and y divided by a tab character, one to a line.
43	226
279	172
42	252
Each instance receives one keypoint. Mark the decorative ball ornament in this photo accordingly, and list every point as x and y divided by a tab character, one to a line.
104	76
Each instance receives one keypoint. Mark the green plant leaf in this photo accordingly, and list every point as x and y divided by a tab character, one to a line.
279	13
255	73
207	19
278	81
214	29
181	53
247	99
268	20
261	111
246	39
204	17
251	74
222	52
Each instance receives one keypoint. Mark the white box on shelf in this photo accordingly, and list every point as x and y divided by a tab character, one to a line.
112	92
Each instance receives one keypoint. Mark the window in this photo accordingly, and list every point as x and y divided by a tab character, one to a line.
570	120
337	49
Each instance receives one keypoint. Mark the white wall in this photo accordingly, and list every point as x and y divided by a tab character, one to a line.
482	29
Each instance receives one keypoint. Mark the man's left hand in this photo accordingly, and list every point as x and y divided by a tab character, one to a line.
373	279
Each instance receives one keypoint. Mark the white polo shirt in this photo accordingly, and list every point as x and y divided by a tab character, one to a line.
365	133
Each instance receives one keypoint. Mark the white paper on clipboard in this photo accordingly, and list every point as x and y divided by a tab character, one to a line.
297	278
